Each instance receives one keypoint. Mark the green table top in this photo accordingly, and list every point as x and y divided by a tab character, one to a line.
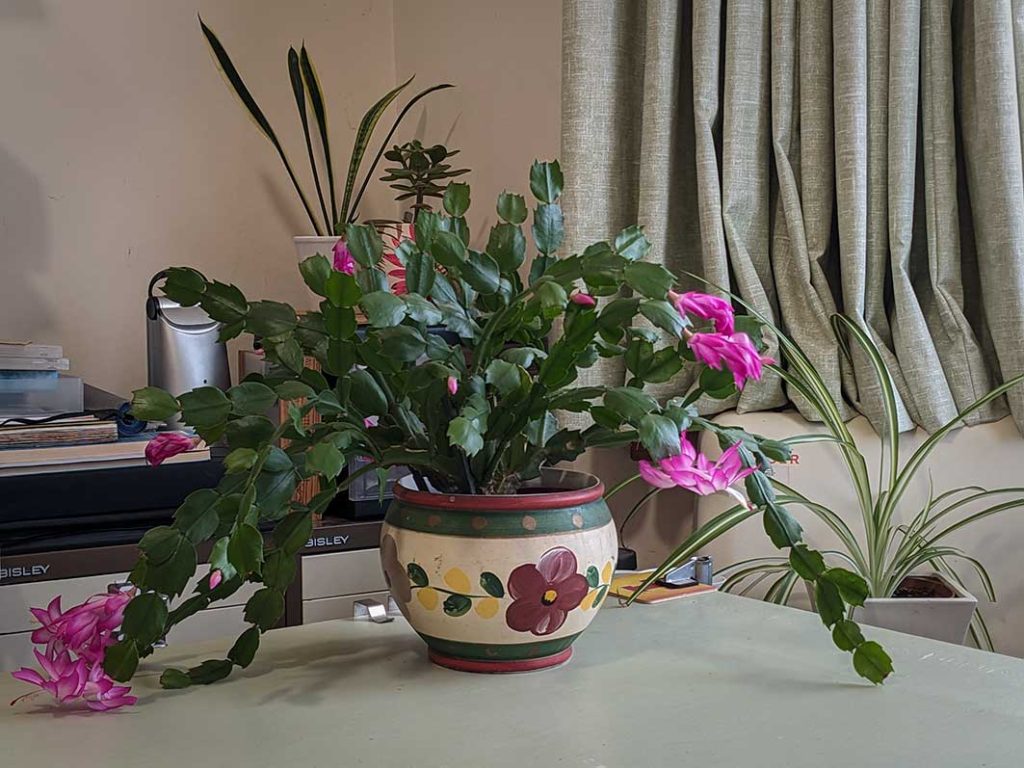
709	680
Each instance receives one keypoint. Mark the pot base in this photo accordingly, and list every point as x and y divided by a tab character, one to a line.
500	667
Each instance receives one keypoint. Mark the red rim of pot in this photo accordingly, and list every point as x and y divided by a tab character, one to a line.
502	503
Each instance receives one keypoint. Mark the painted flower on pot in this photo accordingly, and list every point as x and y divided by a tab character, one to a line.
394	573
545	592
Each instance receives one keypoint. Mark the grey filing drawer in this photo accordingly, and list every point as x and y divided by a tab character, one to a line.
334	574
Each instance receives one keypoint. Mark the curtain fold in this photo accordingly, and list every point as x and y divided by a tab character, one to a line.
855	156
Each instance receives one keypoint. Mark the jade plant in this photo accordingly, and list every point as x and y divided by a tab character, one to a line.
421	173
307	90
461	379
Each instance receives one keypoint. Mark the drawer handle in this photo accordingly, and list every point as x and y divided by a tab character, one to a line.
373	610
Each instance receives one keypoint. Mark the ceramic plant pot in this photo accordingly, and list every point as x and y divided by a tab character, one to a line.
940	618
501	583
310	245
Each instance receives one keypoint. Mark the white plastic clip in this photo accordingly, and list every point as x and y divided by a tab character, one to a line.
373	610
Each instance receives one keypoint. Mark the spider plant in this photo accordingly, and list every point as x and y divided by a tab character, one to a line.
305	83
885	551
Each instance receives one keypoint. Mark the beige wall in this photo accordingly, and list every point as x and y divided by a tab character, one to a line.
505	58
123	150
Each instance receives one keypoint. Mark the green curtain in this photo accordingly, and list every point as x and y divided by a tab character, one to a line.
815	157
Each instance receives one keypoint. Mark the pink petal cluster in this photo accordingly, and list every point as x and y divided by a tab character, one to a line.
736	352
717	310
167	444
75	642
692	470
343	260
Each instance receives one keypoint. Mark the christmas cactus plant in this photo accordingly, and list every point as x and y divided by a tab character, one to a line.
462	380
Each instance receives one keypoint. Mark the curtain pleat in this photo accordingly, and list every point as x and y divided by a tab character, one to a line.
856	156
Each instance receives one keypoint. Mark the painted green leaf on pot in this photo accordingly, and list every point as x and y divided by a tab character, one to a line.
593	576
417	575
492	584
457	605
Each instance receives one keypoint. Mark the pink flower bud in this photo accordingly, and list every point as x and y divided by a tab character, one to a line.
453	385
343	261
167	444
583	300
216	577
371	421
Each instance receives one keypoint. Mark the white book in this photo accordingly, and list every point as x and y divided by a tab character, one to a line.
34	364
28	349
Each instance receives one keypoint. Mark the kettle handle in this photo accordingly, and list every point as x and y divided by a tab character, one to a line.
152	308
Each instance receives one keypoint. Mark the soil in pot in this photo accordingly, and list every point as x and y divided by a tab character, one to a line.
923	586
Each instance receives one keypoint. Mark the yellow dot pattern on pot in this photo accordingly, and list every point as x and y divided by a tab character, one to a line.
487	607
428	598
457	580
606	572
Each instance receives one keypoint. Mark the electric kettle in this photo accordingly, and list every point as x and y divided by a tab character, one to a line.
182	347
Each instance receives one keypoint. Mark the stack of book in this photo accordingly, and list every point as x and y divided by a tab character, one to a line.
44	426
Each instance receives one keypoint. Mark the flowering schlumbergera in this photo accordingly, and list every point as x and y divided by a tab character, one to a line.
469	409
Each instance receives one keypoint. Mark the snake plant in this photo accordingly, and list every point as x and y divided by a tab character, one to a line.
305	82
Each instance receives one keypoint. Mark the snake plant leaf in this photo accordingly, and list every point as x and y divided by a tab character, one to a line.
363	133
316	101
352	210
240	89
295	75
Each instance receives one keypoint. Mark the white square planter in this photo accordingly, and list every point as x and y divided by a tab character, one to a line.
940	618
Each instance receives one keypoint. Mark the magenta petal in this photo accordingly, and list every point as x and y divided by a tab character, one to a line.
653	475
557	565
27	675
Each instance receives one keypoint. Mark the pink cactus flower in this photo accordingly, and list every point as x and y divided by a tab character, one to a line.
736	352
371	421
453	385
75	641
583	300
216	577
717	310
167	444
693	471
343	260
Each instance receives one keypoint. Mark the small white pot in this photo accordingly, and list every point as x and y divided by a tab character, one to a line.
309	245
940	618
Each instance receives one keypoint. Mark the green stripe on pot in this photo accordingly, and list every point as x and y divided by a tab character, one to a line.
498	651
480	524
